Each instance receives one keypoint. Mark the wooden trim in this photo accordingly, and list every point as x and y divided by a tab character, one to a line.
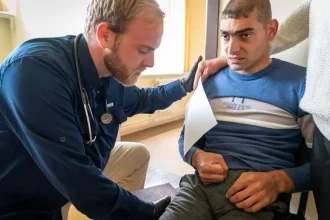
187	36
212	26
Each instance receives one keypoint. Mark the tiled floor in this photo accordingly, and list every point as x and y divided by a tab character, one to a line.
162	143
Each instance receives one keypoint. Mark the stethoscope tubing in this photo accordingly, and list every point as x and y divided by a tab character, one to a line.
82	92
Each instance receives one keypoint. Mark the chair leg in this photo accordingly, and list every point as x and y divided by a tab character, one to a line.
303	203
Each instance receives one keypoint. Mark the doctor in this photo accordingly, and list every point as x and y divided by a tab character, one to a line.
61	102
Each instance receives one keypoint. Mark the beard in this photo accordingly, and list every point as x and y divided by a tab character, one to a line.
117	68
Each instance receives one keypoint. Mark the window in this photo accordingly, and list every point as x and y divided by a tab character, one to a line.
68	17
169	57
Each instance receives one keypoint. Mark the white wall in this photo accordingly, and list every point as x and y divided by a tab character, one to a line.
281	9
40	18
5	39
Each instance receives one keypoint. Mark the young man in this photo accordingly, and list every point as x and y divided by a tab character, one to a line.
309	20
245	167
61	103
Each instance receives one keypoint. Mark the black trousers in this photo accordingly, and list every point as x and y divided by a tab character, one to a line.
320	174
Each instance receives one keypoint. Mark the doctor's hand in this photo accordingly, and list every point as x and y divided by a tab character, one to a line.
160	206
207	68
211	167
253	191
188	81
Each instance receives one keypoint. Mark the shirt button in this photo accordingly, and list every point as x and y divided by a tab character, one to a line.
62	139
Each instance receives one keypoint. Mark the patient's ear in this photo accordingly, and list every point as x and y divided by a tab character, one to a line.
105	37
272	29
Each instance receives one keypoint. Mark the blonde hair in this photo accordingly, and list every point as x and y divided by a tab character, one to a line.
118	13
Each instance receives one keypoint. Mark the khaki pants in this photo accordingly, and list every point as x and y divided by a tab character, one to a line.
129	175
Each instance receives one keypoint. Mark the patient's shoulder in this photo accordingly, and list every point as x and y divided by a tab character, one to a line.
216	81
220	75
290	70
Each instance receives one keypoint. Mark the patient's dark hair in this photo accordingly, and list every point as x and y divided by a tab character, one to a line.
242	8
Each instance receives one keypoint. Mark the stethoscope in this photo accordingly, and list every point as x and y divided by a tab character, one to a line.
106	117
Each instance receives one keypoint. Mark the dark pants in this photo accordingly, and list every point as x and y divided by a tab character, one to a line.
320	174
196	201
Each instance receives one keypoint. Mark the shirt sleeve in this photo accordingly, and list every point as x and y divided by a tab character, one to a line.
293	30
300	177
305	120
306	125
188	156
37	101
148	100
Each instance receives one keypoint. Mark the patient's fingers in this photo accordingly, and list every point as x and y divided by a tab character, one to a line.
223	165
199	73
212	168
207	178
211	173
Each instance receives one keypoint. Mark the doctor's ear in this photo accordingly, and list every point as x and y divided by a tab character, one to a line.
105	37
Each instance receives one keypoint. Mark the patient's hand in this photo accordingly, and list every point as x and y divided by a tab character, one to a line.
211	167
207	68
253	191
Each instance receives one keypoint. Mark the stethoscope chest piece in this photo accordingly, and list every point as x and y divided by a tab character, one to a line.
106	118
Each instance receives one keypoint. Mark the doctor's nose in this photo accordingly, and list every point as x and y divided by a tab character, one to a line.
149	60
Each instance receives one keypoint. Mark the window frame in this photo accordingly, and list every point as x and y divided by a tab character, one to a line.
212	27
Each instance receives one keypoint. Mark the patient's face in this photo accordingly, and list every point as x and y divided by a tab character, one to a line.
133	51
246	43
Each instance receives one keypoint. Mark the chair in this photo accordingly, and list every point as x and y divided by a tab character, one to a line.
303	156
158	177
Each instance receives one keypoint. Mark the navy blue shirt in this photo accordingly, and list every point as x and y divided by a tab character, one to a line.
44	159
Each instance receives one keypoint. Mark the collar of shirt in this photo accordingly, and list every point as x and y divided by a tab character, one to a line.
87	66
